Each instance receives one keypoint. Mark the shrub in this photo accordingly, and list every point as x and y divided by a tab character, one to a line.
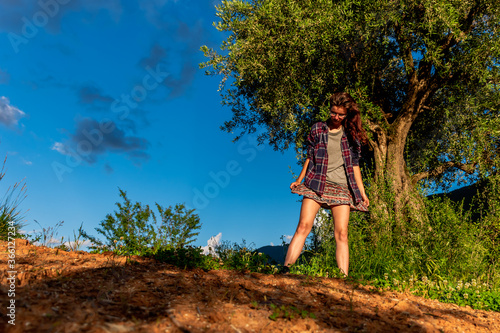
133	229
186	257
128	231
244	257
178	226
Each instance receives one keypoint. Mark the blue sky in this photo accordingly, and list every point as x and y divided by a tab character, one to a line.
101	94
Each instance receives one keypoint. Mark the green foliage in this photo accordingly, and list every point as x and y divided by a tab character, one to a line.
474	293
430	260
178	226
224	256
488	203
128	231
242	257
47	236
425	74
288	312
133	229
186	257
283	58
11	217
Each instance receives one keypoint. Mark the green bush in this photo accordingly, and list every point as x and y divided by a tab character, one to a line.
227	255
178	226
134	230
242	257
186	257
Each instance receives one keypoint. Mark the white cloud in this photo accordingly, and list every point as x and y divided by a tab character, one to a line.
9	115
52	242
212	244
61	148
80	245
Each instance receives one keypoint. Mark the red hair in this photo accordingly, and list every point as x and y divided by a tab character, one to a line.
352	123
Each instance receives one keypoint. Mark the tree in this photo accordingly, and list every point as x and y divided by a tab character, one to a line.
425	73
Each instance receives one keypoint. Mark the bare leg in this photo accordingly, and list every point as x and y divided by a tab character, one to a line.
341	220
308	213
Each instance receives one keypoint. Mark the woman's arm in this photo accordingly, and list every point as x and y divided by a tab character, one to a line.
301	176
359	182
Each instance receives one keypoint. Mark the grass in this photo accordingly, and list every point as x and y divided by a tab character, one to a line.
288	312
11	216
474	293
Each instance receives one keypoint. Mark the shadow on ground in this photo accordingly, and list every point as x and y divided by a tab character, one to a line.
79	292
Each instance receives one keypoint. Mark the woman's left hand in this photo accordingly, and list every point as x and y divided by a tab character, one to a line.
294	184
366	201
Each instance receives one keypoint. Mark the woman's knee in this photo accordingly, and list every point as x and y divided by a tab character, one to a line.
341	236
303	229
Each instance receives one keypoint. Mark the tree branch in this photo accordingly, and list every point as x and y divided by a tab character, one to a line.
468	168
422	83
451	40
407	56
374	127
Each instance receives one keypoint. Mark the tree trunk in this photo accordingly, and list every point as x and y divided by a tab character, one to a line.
393	195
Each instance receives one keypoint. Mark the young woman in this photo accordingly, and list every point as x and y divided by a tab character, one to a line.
332	177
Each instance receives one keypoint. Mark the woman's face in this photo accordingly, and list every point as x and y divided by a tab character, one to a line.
337	114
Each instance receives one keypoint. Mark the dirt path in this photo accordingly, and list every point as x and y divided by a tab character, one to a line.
58	291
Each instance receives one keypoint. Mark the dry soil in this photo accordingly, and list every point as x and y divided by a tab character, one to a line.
59	291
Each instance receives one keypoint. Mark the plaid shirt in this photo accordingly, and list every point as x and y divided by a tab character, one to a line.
317	143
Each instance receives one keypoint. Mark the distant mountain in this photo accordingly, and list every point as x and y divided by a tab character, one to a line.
466	193
277	253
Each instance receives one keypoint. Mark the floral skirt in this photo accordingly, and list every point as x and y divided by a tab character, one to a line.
334	195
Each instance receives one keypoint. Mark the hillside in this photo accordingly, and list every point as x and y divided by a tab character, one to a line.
60	291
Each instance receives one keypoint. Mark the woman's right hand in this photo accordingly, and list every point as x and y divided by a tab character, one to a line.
294	184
